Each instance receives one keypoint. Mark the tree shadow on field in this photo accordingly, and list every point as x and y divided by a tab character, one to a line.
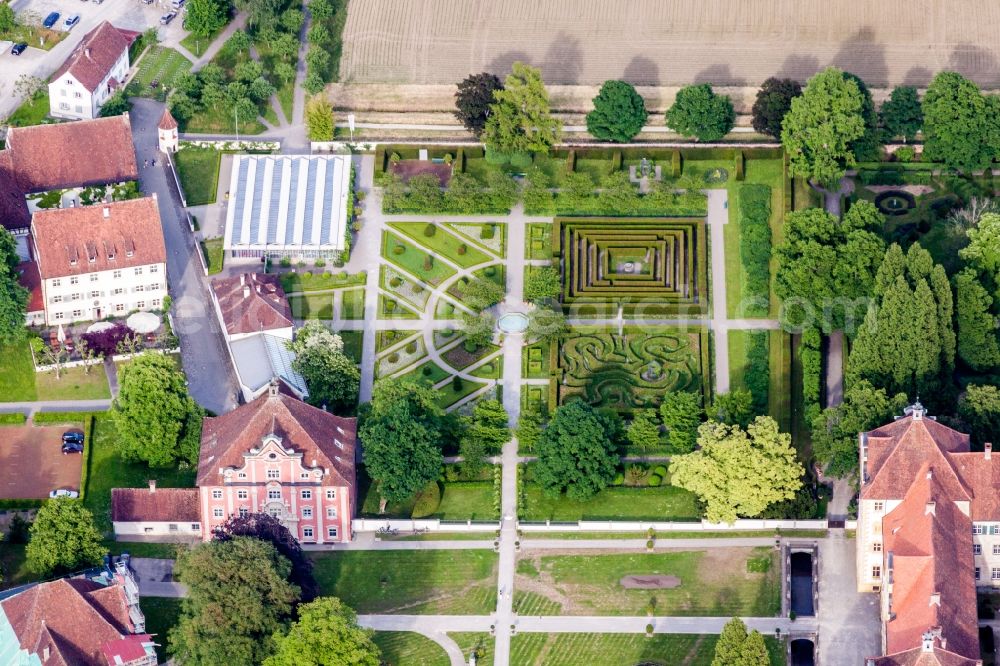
863	56
798	67
974	62
562	63
501	65
918	77
642	71
718	75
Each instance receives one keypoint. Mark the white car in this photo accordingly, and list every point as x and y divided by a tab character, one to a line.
71	21
63	492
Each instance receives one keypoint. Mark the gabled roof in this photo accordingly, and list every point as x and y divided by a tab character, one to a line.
96	54
14	214
173	505
928	552
87	239
918	657
324	440
30	280
252	302
72	617
76	154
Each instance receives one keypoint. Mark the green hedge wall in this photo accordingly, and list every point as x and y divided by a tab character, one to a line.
12	418
758	372
812	370
465	195
755	247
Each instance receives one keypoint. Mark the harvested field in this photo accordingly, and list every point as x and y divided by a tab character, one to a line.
657	43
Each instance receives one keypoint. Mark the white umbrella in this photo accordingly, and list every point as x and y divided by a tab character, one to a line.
143	322
99	326
61	335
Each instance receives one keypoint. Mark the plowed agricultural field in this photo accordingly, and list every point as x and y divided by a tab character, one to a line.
671	42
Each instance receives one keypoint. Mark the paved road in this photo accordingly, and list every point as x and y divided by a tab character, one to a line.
718	217
30	408
661	625
848	622
203	352
529	543
156	578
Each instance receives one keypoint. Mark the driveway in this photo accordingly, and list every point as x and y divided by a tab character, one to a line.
203	351
32	463
849	626
128	14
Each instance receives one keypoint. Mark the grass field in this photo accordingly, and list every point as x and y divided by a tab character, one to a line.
352	304
161	614
716	582
106	470
471	500
530	649
779	395
413	260
312	306
198	170
353	342
294	281
160	66
451	582
442	243
73	384
403	648
481	644
32	112
214	253
13	571
17	374
615	503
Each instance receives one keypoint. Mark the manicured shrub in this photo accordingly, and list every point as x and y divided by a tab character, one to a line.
418	288
394	357
905	154
456	383
470	347
490	271
654	480
426	371
398	249
411	347
758	376
809	352
447	333
487	231
755	247
395	281
462	249
660	471
390	305
430	230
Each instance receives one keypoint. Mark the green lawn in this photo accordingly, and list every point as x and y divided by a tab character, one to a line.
353	342
32	112
293	281
13	571
312	306
779	395
221	121
161	614
198	170
214	252
531	649
352	304
715	582
449	394
106	470
459	582
197	44
403	648
481	644
17	374
73	384
469	500
413	260
160	66
443	242
538	241
35	36
614	503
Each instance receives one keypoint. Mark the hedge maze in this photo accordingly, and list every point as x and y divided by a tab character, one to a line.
632	369
646	266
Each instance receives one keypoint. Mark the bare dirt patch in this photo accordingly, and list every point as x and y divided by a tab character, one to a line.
32	463
657	582
407	169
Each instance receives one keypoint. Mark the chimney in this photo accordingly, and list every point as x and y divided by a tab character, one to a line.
107	212
988	450
930	509
152	485
930	475
243	279
246	291
927	642
86	51
936	599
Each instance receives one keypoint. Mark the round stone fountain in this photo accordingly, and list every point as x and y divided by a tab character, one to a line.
513	322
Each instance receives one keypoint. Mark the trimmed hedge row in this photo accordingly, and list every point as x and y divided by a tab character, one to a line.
464	196
755	247
12	418
758	371
812	370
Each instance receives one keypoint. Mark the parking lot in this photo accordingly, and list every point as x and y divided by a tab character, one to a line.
32	463
129	14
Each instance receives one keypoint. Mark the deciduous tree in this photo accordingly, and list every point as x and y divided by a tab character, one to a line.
13	297
8	21
63	538
519	119
681	413
326	634
644	431
619	113
821	126
576	454
238	598
774	99
332	378
979	408
734	408
978	346
486	431
473	99
115	105
961	126
739	472
481	293
206	17
699	112
402	435
546	324
901	114
157	420
478	328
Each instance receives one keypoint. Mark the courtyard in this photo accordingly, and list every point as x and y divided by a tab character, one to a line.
32	463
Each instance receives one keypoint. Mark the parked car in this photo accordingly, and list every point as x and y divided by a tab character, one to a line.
50	20
177	4
18	48
63	492
147	2
71	21
74	436
167	18
72	447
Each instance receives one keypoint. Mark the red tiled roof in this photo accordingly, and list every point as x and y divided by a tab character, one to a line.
928	548
31	281
167	121
129	648
73	618
306	429
14	214
96	54
252	302
917	657
77	154
163	505
117	235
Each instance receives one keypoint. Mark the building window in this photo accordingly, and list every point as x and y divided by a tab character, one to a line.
138	270
307	494
977	529
274	494
172	527
58	315
244	512
995	573
57	283
241	475
307	512
877	547
74	280
275	512
216	494
116	274
274	473
331	494
307	533
77	313
155	303
331	512
217	513
154	269
77	95
977	573
196	527
242	494
119	307
879	506
93	277
57	299
331	532
977	549
994	529
140	304
876	572
996	549
117	291
139	288
95	294
304	475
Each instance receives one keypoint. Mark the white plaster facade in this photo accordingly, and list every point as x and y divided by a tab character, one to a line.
68	98
109	293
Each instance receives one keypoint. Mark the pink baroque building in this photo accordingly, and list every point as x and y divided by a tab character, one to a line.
280	456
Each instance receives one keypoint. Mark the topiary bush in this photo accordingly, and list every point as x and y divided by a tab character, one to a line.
456	383
618	480
398	249
426	371
428	500
462	249
428	263
394	357
395	281
411	347
654	480
660	471
430	230
390	306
